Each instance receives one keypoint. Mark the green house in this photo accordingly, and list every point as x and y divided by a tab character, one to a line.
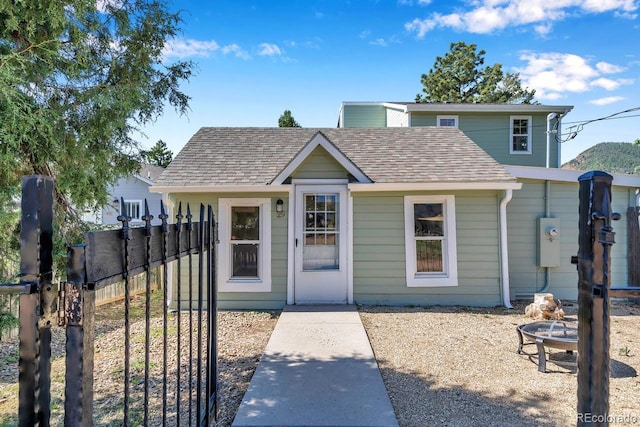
394	215
513	134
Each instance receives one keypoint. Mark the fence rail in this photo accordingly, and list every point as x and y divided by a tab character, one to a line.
105	259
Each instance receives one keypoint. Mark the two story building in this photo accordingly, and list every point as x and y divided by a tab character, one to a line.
402	204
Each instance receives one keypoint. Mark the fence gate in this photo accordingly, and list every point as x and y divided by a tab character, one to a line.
172	386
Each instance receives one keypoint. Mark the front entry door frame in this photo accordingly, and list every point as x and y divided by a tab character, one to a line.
306	186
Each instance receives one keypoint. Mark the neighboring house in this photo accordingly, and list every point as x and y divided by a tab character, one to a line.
513	134
134	190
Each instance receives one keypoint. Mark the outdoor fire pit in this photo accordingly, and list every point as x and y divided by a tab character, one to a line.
556	334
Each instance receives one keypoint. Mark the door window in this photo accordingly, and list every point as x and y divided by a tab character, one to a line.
321	232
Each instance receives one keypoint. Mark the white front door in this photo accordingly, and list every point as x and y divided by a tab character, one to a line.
321	244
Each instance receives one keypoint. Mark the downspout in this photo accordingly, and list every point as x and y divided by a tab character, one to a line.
504	249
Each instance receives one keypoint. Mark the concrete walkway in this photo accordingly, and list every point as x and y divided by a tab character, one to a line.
318	370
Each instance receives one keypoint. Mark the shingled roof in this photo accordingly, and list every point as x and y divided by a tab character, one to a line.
255	156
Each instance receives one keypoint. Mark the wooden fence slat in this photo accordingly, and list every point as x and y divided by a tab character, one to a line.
107	247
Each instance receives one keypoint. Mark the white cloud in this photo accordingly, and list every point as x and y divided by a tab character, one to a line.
236	50
269	49
379	42
554	74
543	29
487	16
606	101
190	48
606	68
605	83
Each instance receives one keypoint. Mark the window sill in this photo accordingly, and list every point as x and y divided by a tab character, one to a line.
431	282
244	286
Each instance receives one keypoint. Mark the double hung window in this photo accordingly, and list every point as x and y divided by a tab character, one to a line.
430	241
520	135
244	231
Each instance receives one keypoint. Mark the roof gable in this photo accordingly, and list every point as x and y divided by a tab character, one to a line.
319	140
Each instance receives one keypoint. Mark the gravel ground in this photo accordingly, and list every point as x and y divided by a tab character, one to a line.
458	366
450	366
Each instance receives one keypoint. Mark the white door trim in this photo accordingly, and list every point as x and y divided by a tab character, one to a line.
318	186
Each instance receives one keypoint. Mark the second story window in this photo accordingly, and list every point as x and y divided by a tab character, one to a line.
520	135
447	121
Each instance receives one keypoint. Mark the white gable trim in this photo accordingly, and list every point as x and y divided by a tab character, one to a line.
320	140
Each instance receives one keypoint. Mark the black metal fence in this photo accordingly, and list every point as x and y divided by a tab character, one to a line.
596	236
184	372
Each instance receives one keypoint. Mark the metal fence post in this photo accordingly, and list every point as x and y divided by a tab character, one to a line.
79	317
37	302
595	239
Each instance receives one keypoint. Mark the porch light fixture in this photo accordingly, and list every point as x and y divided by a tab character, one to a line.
280	207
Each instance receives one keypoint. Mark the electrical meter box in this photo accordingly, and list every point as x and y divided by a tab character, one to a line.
548	242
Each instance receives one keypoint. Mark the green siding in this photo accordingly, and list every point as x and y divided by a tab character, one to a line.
527	205
491	132
320	165
364	116
275	299
379	267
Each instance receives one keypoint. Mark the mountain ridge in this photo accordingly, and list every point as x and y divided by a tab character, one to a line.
611	157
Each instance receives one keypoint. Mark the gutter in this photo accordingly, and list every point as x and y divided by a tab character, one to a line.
504	248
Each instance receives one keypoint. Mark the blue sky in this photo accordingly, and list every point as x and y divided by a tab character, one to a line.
257	59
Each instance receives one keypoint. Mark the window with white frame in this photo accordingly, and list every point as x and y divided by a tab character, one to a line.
244	255
430	241
520	135
133	209
447	121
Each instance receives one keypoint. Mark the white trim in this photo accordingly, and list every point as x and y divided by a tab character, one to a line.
434	186
504	249
566	175
445	117
529	134
469	108
140	209
291	296
320	140
349	248
487	108
220	188
344	239
450	261
225	282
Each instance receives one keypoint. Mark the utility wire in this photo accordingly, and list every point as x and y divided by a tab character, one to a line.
574	130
